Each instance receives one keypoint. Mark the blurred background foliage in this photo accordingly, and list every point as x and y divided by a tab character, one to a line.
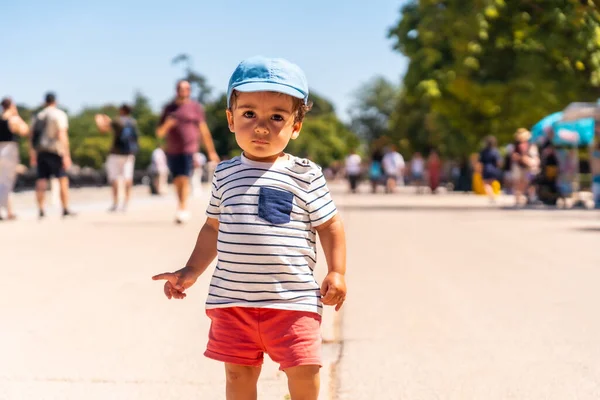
475	68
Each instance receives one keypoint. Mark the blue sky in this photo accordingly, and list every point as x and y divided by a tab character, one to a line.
100	52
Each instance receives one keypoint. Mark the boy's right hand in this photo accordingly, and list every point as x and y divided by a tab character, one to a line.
177	282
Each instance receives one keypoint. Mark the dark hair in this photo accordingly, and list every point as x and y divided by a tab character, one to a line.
491	141
298	107
50	98
125	109
6	103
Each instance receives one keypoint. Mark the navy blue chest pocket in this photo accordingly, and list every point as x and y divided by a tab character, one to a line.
275	205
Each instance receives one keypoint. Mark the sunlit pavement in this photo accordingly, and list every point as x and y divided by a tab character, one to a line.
449	298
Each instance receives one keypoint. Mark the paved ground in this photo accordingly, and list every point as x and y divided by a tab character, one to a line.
449	299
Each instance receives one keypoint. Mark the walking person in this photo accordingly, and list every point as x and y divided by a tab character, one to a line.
353	169
11	127
393	166
120	163
50	152
183	123
159	171
507	180
524	163
417	171
490	161
434	170
200	162
376	175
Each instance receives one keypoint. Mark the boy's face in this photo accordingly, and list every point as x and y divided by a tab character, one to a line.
263	123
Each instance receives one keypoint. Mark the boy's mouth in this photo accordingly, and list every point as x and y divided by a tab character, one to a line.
260	141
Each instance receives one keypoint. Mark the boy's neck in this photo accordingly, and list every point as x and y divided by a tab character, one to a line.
271	160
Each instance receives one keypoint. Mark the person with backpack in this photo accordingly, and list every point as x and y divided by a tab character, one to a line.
50	152
375	170
120	162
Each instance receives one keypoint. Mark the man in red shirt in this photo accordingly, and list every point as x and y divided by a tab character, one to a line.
183	124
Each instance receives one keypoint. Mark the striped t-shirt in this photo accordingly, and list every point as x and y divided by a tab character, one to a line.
267	240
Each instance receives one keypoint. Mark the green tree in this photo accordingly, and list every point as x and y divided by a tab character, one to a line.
147	120
216	120
90	148
375	102
324	138
490	67
196	79
320	105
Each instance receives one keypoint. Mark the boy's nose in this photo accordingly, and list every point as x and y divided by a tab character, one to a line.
261	129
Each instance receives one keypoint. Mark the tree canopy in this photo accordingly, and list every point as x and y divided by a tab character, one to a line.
324	138
489	67
375	102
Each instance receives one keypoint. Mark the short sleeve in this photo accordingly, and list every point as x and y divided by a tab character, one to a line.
62	121
320	205
214	205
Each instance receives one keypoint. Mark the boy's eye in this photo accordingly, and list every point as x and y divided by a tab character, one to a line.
277	117
249	114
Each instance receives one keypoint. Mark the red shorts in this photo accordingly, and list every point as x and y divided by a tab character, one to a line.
240	335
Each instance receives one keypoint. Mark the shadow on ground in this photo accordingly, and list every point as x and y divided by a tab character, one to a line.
595	229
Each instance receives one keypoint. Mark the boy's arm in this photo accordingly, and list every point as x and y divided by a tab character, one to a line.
203	254
333	241
205	250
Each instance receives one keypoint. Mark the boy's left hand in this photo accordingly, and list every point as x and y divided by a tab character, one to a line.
333	290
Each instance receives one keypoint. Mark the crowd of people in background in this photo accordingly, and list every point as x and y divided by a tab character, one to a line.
387	169
182	126
529	171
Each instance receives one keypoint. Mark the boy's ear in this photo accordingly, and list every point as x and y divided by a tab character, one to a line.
230	120
296	130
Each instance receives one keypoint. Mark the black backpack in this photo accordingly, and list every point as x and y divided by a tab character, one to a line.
37	131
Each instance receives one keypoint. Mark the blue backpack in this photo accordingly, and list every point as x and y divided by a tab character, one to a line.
375	171
128	138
